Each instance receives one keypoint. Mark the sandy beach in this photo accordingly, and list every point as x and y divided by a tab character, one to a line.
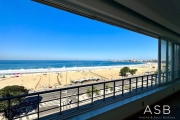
41	81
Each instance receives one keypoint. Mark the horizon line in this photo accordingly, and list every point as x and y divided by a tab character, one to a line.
75	59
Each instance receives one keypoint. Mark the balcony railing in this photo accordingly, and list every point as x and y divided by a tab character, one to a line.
69	100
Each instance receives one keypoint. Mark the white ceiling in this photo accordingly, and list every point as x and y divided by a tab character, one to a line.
156	18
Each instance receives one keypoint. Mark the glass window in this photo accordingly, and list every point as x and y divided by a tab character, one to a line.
175	61
169	72
163	61
178	61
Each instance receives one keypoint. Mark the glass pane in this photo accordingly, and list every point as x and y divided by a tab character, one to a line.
163	61
175	61
178	61
169	61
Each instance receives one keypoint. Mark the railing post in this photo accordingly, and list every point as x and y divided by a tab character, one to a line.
156	81
104	92
92	95
114	90
122	87
130	85
78	99
38	106
142	83
163	77
136	83
147	81
151	80
60	102
9	109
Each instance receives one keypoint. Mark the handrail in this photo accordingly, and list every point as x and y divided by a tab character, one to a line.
121	86
71	87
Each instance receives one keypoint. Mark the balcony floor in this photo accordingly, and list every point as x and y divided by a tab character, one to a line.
173	101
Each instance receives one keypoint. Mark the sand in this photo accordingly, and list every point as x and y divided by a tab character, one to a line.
40	81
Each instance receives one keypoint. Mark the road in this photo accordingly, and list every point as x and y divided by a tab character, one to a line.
82	90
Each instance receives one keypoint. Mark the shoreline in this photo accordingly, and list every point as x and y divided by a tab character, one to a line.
64	69
57	79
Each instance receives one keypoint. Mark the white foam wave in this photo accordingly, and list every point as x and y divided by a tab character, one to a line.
43	70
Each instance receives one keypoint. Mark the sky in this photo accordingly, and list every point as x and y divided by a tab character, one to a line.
33	31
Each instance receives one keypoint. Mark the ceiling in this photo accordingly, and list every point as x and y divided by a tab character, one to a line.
156	18
168	9
164	12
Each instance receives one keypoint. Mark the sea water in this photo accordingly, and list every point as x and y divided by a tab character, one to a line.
10	66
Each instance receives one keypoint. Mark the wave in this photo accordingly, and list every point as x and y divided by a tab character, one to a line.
62	69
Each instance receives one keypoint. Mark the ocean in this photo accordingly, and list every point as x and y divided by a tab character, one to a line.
45	64
23	66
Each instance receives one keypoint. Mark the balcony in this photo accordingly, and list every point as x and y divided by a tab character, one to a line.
71	101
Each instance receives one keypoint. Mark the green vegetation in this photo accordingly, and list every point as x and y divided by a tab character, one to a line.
126	87
125	70
111	89
107	86
71	81
88	92
132	71
10	91
95	90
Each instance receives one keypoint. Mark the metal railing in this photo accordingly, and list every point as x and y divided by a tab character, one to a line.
65	100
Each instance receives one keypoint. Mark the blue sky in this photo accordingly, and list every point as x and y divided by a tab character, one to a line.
29	30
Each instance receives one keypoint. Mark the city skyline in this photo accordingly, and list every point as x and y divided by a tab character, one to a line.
32	31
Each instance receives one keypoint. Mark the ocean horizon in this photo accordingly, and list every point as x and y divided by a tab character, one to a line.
46	64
